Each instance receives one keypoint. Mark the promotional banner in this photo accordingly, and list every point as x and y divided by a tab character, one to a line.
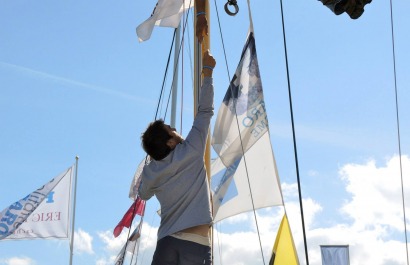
44	213
242	119
245	166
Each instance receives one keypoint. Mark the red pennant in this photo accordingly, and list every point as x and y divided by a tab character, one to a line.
136	208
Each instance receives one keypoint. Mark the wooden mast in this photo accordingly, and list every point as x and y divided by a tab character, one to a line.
199	49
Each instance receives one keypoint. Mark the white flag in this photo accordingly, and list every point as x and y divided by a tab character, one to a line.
167	13
249	141
243	98
133	193
43	213
230	187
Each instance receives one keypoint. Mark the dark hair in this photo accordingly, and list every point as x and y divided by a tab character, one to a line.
154	140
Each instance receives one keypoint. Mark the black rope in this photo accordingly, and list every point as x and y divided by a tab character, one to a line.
222	40
179	52
398	129
293	133
165	75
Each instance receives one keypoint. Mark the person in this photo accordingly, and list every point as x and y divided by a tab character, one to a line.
354	8
176	175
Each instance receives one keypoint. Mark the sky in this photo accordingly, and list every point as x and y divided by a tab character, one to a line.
75	81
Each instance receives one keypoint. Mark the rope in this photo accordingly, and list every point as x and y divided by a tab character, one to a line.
137	245
149	237
240	135
293	133
222	40
179	52
165	75
128	235
398	129
219	248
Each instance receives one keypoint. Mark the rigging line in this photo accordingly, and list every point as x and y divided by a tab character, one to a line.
149	236
222	40
219	246
190	55
165	74
182	87
186	26
137	244
179	52
398	128
293	133
240	136
129	230
182	74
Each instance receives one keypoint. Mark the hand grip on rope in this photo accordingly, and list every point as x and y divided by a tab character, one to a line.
234	4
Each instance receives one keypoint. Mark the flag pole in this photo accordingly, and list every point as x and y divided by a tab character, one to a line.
199	49
73	220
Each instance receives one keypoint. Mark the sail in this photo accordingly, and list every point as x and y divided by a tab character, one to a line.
241	139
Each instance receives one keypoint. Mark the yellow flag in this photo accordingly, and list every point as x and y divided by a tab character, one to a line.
284	251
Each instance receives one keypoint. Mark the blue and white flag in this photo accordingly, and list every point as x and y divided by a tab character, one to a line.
335	255
249	130
43	213
244	99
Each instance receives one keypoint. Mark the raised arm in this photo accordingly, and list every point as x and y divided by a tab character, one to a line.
198	134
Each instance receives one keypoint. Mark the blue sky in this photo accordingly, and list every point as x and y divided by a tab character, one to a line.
75	81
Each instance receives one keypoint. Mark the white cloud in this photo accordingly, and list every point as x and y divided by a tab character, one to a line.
370	222
18	261
83	242
376	193
374	214
374	229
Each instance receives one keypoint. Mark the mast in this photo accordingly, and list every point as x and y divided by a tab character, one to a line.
199	49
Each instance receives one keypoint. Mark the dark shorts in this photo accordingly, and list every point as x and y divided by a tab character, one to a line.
173	251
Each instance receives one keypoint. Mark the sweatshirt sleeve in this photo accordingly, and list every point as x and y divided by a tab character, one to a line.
144	191
199	132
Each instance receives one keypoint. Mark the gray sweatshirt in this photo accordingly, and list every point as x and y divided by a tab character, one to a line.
179	180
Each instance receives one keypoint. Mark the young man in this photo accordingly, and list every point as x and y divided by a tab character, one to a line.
177	177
